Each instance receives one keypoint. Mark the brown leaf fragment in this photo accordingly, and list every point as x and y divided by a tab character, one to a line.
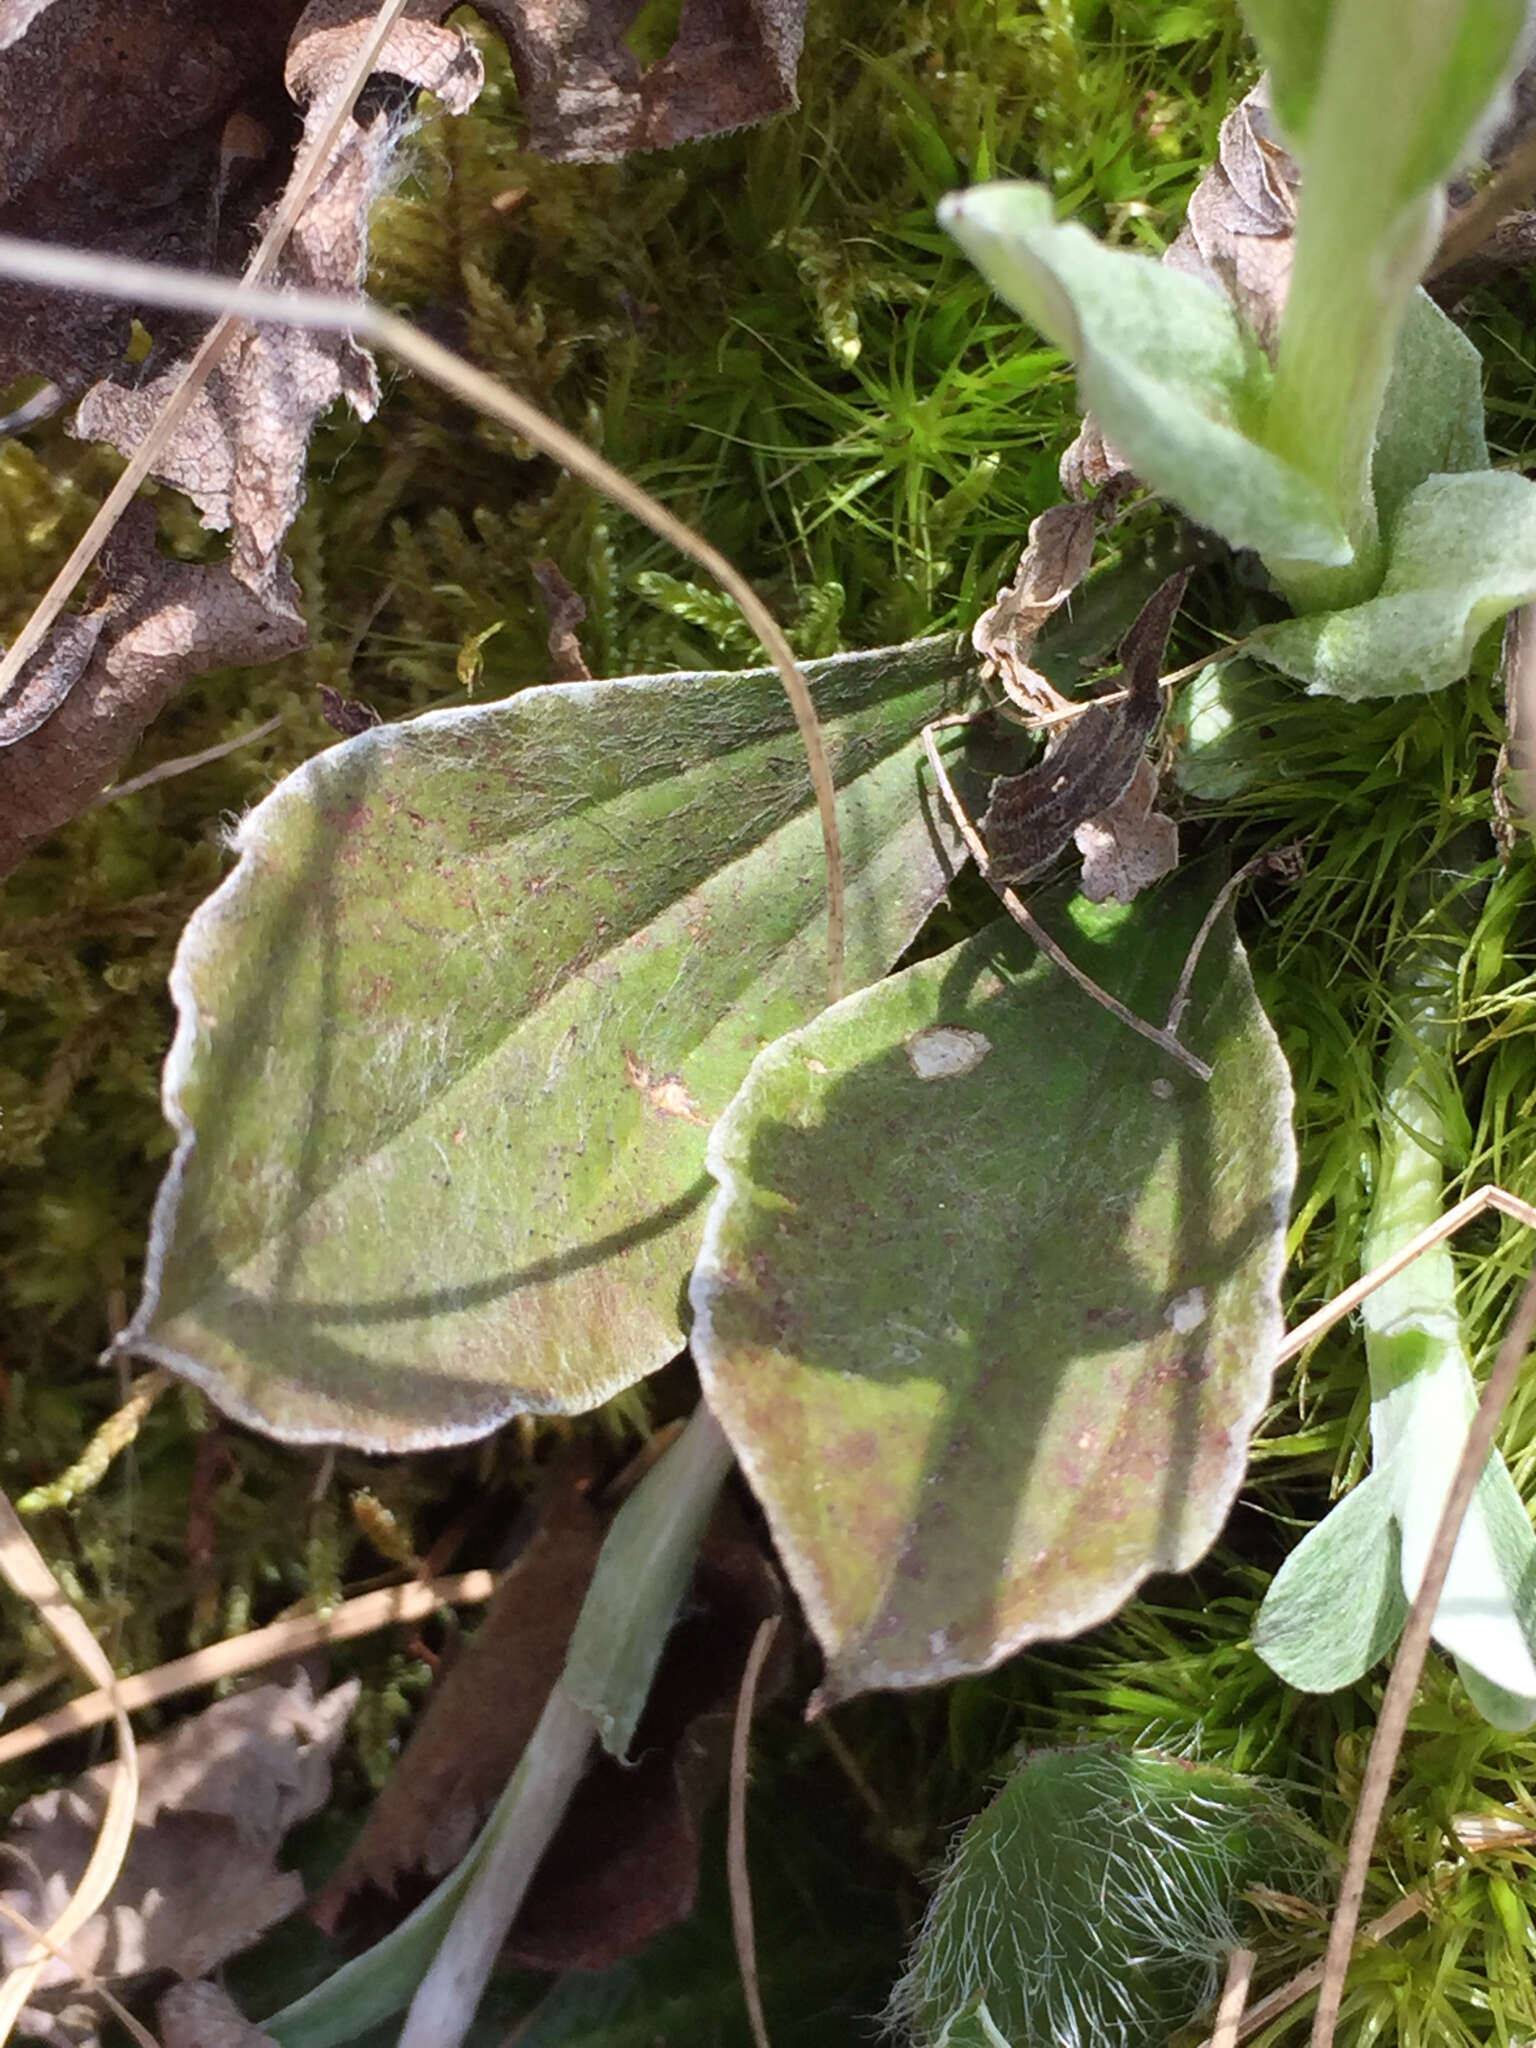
1130	846
1238	237
1239	233
347	715
480	1718
587	99
201	1880
625	1863
239	454
1054	562
203	2015
1092	464
50	675
163	623
111	120
1509	246
566	611
1514	772
1083	773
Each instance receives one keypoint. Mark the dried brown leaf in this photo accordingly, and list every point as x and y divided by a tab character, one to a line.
1239	233
239	454
1054	562
347	715
587	99
624	1863
112	117
1088	769
204	2015
1130	846
480	1718
201	1880
1238	238
163	623
566	611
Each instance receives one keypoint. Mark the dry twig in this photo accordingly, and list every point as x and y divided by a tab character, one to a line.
736	1834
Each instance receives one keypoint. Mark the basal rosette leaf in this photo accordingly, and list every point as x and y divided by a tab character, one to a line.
1462	554
453	1032
1432	416
1164	364
988	1298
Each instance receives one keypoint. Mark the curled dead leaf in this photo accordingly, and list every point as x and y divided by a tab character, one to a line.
239	454
163	623
1130	846
201	1881
624	1864
481	1716
1055	560
587	98
1238	237
1239	233
203	2015
1090	766
566	611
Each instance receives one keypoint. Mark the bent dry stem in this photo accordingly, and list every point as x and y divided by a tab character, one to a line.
110	277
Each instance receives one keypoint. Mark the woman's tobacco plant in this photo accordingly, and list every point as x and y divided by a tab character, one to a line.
493	997
1349	455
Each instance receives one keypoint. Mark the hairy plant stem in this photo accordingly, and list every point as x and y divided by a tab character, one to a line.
1364	234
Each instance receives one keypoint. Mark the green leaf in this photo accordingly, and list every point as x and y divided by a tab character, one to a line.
1432	417
1336	1606
453	1032
1217	712
989	1344
1465	50
1463	553
1175	381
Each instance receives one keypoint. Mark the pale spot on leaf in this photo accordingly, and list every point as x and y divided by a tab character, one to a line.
946	1051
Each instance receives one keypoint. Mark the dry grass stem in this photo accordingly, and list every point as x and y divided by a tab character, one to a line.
1454	1219
307	175
27	1572
166	771
88	1980
738	1875
1392	1720
1295	1989
1234	1997
294	1637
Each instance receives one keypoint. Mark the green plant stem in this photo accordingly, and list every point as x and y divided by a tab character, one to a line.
1363	235
551	1768
449	1944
